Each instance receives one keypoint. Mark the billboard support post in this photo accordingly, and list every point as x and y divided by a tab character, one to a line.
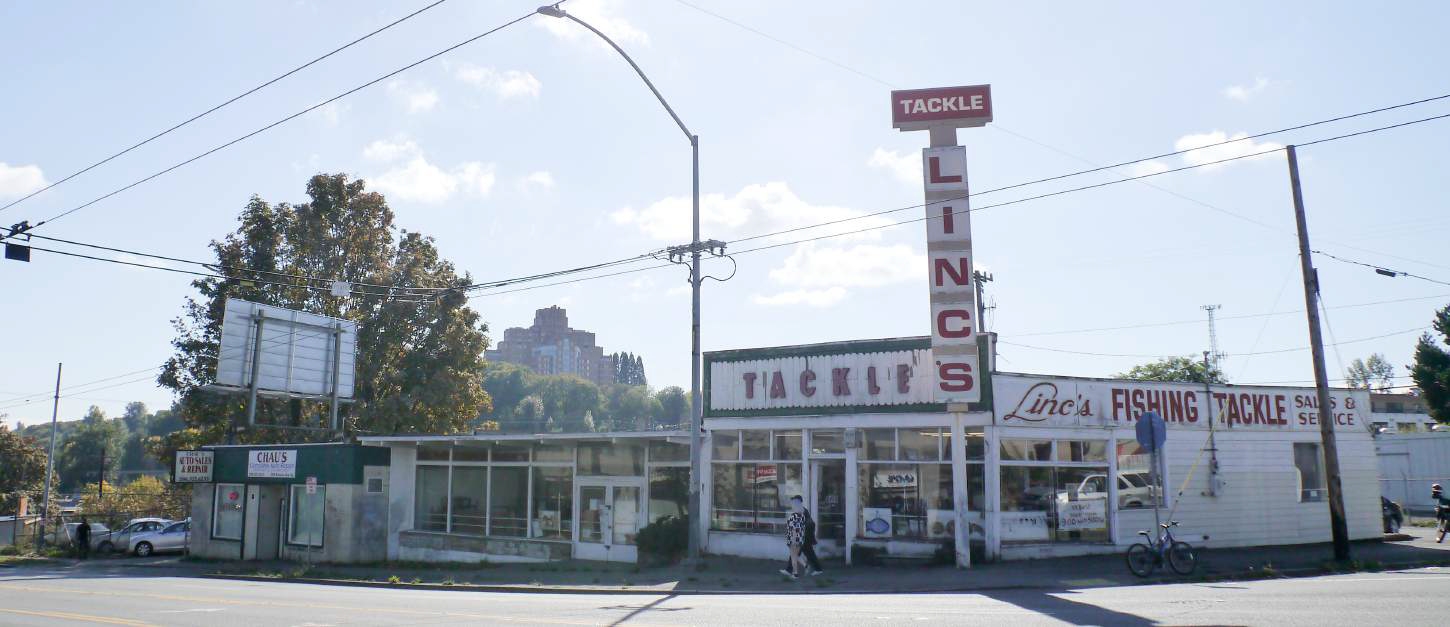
256	370
336	372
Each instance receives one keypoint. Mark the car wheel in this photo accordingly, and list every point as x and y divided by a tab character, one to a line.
143	549
106	547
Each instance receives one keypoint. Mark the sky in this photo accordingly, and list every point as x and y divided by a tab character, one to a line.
537	149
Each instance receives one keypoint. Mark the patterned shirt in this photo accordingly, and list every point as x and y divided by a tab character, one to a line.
795	529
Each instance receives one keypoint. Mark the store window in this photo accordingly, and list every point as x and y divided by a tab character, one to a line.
1135	477
725	445
228	510
553	504
1054	491
305	515
469	494
1407	427
430	499
905	500
669	492
1309	463
828	441
754	495
508	501
615	460
661	451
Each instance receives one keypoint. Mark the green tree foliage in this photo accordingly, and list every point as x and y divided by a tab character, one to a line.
1375	373
1431	371
146	496
92	452
530	403
420	360
22	470
1179	369
628	369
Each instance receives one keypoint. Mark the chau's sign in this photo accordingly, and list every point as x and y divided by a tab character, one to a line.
856	380
1062	402
193	467
917	109
272	464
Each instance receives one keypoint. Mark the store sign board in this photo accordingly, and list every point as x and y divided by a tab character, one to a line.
194	467
964	106
865	380
894	479
1022	400
272	464
953	293
1082	515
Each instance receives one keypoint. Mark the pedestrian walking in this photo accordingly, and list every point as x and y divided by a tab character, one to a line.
795	536
83	539
808	546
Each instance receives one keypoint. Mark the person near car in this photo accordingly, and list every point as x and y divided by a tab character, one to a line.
83	539
808	547
795	536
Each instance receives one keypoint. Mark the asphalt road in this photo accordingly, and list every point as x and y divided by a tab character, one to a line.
127	597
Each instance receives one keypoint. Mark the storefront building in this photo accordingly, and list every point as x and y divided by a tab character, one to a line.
304	502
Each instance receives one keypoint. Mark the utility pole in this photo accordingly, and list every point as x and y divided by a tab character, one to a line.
49	465
101	482
979	278
1337	525
1212	441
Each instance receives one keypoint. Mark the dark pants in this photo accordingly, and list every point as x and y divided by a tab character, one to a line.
808	551
83	549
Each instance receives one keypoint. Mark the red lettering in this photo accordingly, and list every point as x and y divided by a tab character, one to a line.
871	386
955	377
934	164
749	384
965	330
777	385
839	385
1279	409
806	378
961	274
903	378
948	222
1138	408
1120	403
1190	406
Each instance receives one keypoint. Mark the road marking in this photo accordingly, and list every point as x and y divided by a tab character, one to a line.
200	609
315	606
80	617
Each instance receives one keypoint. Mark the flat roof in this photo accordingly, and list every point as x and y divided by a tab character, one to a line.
420	438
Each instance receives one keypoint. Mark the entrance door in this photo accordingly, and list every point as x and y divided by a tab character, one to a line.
610	514
828	504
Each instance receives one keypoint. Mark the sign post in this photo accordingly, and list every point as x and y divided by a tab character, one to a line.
1152	433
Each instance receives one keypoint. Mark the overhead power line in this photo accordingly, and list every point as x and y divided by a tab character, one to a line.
1157	355
288	118
220	106
1380	269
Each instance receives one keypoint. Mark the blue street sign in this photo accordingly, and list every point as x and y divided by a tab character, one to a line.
1151	431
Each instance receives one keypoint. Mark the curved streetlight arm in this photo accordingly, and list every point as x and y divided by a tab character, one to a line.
555	11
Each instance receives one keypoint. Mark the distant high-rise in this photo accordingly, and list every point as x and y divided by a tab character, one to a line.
551	347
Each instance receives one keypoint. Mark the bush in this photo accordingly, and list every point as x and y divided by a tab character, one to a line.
664	541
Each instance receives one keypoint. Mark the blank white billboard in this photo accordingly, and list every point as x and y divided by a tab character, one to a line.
298	350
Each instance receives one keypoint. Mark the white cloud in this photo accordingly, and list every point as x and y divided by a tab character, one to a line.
505	84
861	265
391	150
600	14
19	180
812	298
417	180
755	209
905	167
330	114
540	180
1243	93
417	97
1217	153
1144	168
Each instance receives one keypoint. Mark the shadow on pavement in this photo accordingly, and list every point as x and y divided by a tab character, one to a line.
1056	604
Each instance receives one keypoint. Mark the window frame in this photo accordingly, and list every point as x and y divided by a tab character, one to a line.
1323	487
215	507
292	493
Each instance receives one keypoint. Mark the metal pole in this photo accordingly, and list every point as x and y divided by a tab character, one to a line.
697	471
1212	441
256	366
49	465
101	475
336	371
1337	525
1154	476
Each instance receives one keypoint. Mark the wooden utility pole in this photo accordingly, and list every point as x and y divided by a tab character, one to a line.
1337	525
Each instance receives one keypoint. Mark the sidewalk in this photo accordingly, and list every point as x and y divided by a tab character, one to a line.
723	575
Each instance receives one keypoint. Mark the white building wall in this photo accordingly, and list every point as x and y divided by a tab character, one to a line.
400	495
1409	463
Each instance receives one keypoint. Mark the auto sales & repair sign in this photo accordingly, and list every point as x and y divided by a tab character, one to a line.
193	467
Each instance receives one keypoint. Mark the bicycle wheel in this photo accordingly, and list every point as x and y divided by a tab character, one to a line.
1141	559
1181	558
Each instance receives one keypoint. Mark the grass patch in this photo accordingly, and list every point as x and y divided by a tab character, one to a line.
20	560
394	579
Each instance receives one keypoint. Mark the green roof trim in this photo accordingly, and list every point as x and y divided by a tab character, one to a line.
331	463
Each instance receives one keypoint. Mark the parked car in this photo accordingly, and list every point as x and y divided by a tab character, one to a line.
1134	489
1392	514
120	539
172	538
67	535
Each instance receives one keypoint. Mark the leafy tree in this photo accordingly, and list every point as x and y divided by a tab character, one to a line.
22	471
632	407
1375	373
92	451
420	352
1431	371
674	406
507	384
146	496
628	369
1179	369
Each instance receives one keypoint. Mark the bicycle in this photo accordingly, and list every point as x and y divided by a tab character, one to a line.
1144	558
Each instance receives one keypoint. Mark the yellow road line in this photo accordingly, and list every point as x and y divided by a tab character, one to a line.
81	617
315	606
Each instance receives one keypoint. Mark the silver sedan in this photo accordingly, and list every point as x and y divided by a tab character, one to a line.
173	538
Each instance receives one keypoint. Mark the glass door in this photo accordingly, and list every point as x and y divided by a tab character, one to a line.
610	514
828	503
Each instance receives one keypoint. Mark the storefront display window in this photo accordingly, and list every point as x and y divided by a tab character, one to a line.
725	445
553	504
916	445
1135	477
906	501
660	451
787	445
304	515
467	515
470	454
431	498
755	445
1054	491
616	460
753	497
1309	463
881	444
827	441
510	453
508	501
669	492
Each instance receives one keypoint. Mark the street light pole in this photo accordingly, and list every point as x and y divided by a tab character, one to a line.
696	400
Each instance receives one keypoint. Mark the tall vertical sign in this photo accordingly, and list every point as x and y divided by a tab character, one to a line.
954	322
